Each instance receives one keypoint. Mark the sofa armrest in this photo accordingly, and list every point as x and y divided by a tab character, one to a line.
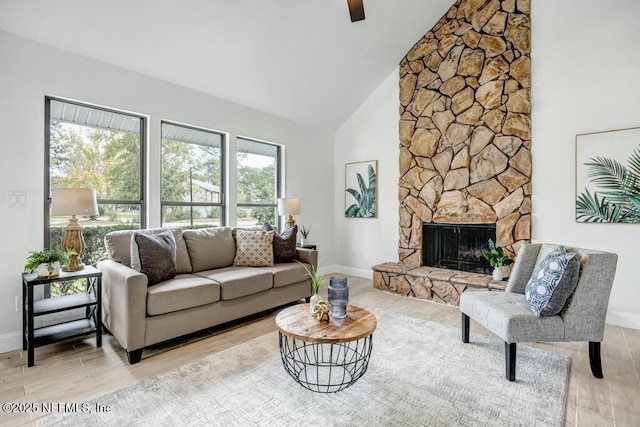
124	303
310	256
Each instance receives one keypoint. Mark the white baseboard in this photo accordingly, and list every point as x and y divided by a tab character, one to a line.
350	271
11	341
624	319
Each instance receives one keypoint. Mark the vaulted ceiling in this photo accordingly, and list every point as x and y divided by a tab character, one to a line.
299	59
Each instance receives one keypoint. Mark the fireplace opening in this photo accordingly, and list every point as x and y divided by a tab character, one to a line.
457	246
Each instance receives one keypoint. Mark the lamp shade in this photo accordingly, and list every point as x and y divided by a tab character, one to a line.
288	206
74	201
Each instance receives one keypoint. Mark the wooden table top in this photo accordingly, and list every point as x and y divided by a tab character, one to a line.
296	322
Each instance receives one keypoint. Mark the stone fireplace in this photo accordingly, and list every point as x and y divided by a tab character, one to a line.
464	140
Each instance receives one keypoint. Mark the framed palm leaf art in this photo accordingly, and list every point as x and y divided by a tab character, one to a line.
361	194
608	176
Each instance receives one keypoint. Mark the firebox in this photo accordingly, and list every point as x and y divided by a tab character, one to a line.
457	246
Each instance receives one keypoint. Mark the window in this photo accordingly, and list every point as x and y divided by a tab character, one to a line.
258	185
192	176
94	147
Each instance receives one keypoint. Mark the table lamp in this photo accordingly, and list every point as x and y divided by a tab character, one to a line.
73	201
289	206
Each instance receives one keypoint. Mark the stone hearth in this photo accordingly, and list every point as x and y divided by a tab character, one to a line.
465	137
433	284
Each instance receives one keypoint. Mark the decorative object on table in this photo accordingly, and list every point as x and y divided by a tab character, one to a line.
608	176
47	262
289	206
304	232
73	201
321	311
360	195
338	297
316	281
497	259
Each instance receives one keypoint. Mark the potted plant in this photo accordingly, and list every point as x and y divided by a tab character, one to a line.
497	259
46	262
304	231
316	281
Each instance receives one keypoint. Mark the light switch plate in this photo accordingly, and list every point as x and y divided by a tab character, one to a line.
17	199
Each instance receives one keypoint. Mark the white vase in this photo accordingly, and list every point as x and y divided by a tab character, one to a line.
303	241
43	270
315	298
497	275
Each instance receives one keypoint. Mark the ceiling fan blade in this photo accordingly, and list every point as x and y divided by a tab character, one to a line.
356	10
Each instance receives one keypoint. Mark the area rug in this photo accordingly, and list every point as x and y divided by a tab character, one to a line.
420	374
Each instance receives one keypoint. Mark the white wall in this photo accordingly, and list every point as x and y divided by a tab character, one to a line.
371	133
585	65
31	70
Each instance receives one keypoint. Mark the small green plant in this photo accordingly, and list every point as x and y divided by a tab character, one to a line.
48	257
305	231
495	255
314	275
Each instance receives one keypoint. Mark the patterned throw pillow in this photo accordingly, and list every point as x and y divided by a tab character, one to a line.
553	282
254	248
284	245
157	256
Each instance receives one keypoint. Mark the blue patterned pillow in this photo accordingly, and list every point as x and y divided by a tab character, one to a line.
545	280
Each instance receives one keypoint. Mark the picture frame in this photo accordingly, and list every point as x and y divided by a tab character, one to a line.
608	176
361	189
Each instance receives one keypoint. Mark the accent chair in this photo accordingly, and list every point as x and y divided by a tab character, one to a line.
508	315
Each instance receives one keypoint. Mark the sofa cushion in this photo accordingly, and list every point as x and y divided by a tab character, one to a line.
254	248
157	255
285	274
118	246
210	248
182	292
236	282
552	275
284	244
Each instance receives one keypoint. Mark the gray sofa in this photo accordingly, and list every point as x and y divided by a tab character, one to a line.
207	291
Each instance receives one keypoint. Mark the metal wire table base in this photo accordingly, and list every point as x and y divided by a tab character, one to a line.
325	368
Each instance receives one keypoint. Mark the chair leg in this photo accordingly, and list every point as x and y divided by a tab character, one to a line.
465	328
510	360
595	360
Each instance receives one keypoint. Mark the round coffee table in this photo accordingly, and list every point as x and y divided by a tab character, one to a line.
325	357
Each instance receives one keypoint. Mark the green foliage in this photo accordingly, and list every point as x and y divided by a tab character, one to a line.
256	185
495	255
365	206
48	257
305	231
264	216
315	276
619	197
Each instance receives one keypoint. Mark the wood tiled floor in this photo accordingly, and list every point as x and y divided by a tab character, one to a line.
74	370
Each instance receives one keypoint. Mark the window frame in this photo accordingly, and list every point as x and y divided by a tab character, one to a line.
47	164
223	181
279	174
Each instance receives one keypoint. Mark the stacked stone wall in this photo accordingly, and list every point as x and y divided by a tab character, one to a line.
465	132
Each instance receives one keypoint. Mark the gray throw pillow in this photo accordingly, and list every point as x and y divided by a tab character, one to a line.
284	245
557	273
157	256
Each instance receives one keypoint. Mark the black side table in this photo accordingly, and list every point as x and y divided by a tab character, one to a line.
91	300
